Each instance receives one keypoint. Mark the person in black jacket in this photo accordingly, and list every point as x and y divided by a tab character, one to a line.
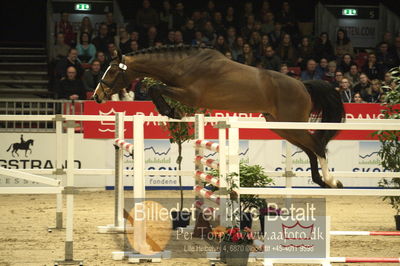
70	87
323	47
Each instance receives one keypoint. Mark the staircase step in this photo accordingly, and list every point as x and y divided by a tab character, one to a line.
21	50
23	63
36	91
23	81
23	73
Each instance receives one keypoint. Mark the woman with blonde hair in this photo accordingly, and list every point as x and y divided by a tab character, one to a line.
373	93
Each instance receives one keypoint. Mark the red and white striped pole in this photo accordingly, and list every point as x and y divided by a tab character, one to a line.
124	145
199	175
209	145
365	233
364	260
207	194
208	162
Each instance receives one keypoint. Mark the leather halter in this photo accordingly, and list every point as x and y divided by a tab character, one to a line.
122	72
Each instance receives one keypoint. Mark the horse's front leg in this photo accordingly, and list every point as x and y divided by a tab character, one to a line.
155	92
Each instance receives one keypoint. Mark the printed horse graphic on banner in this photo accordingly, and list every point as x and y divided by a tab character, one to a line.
21	146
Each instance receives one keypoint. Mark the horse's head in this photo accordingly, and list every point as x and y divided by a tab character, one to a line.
113	80
30	141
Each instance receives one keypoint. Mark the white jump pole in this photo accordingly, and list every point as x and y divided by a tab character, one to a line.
59	171
119	172
223	172
233	159
199	134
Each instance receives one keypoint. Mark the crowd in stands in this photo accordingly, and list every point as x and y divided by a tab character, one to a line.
254	35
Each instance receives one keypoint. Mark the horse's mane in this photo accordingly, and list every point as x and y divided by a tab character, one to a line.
170	49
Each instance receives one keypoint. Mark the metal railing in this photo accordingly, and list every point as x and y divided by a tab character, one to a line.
12	106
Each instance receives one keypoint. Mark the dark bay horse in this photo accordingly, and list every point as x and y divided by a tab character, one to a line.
203	77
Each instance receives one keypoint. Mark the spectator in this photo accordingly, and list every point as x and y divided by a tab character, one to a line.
198	20
255	42
276	35
286	51
209	33
270	60
231	37
111	25
343	44
247	57
287	17
218	23
387	80
101	57
123	41
71	87
134	36
330	74
230	19
385	58
170	38
311	73
345	63
323	47
357	98
362	85
248	11
248	28
151	38
338	79
305	52
134	46
65	27
92	76
220	44
267	24
199	39
86	50
388	38
166	18
265	8
371	68
178	38
264	43
345	90
284	69
322	67
86	26
210	9
237	48
188	32
111	48
146	17
374	93
178	17
70	60
396	50
60	49
353	75
102	40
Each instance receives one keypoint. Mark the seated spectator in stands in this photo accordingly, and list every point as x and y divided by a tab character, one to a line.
265	8
178	38
134	47
371	67
388	38
166	18
237	48
228	55
178	16
248	57
101	57
363	84
218	23
322	67
270	60
247	12
353	75
230	19
346	91
387	79
286	51
209	33
385	58
374	93
330	74
284	69
230	37
267	23
220	45
345	63
170	38
151	37
86	26
264	43
111	25
65	27
311	73
357	98
210	9
111	48
276	35
287	17
199	39
188	32
70	60
134	36
396	50
92	76
304	52
147	16
60	49
86	50
102	40
323	47
71	87
248	28
343	44
255	43
338	78
123	41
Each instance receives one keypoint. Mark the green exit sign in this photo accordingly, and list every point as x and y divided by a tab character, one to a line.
83	7
349	12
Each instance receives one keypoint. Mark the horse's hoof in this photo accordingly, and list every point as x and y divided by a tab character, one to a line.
339	184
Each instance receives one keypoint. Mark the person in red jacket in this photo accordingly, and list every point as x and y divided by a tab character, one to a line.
65	27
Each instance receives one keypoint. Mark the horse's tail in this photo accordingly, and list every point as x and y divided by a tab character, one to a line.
328	101
9	148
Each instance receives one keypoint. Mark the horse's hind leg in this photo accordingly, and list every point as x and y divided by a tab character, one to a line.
155	92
